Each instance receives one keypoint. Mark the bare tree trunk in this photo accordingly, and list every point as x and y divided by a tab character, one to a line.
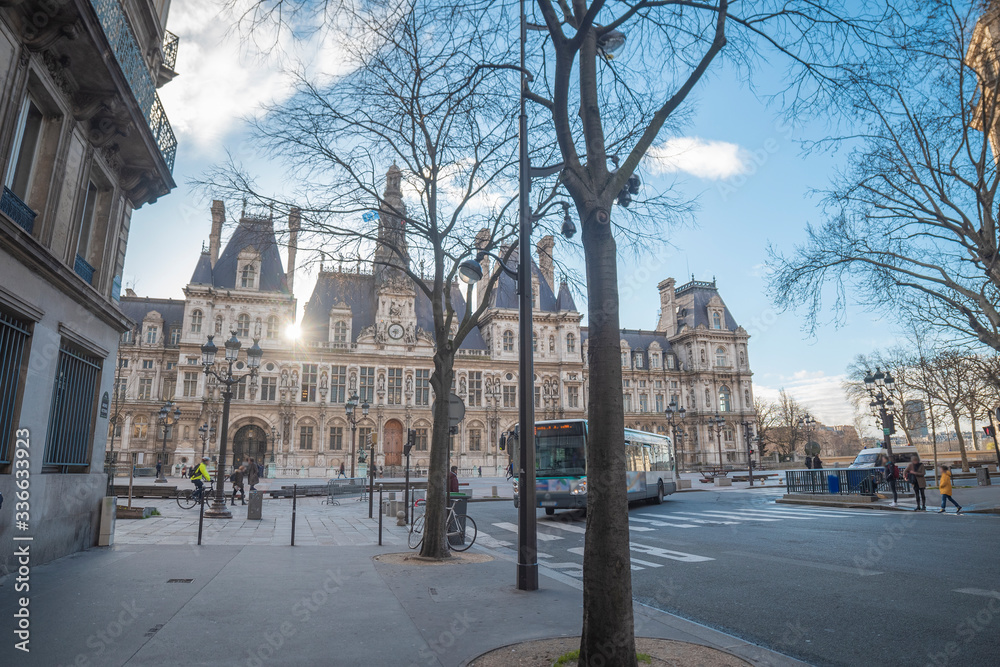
961	440
435	533
608	632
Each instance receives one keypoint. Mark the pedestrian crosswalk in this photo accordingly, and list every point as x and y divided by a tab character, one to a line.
645	556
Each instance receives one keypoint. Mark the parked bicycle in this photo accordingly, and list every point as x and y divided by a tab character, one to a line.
188	498
458	526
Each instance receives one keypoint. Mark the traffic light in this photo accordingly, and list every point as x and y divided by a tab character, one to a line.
411	439
989	431
503	442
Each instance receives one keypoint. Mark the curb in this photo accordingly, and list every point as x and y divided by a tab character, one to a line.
865	506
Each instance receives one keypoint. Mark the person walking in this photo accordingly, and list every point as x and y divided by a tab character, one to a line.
891	473
915	475
809	463
253	474
341	473
944	486
817	464
453	480
237	479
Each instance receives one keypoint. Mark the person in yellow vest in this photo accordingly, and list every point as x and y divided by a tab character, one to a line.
944	486
200	476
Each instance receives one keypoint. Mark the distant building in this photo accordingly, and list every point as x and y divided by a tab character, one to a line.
916	418
84	142
368	331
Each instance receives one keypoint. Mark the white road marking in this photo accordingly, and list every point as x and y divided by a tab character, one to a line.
717	522
756	513
512	527
979	591
489	541
659	524
666	553
738	517
647	563
563	526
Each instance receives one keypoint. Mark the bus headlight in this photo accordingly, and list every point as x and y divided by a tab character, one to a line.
580	488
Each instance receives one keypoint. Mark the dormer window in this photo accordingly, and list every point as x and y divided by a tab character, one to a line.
248	276
716	321
638	359
151	334
340	331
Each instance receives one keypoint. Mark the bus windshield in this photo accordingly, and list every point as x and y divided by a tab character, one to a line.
560	450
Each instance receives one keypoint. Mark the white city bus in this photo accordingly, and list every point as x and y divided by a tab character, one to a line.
561	464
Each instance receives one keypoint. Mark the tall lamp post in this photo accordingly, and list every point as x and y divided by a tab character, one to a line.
806	421
352	417
748	438
675	418
880	386
205	431
716	424
226	377
165	419
274	441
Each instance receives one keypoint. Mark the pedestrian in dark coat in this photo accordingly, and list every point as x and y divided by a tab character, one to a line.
237	479
253	475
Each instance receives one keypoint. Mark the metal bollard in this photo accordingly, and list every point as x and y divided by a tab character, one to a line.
201	517
380	515
295	495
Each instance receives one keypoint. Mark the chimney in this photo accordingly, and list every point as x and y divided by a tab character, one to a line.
668	314
215	238
293	239
544	248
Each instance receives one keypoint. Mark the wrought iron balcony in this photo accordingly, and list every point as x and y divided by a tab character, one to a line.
17	210
170	42
84	270
130	58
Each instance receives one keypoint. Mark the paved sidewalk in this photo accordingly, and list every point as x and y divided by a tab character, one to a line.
974	499
245	598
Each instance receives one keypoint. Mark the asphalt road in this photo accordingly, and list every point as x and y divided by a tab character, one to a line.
830	587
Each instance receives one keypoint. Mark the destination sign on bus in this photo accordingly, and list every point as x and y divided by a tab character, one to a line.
572	428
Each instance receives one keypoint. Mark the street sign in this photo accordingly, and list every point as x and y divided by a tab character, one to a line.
105	401
456	409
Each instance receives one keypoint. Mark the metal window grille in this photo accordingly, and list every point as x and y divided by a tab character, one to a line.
71	417
14	335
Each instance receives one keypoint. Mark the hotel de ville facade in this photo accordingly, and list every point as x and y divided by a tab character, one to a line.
366	332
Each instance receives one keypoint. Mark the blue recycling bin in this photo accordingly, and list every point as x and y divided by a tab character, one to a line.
833	484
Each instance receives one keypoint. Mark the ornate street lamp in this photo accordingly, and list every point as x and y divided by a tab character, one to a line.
352	417
274	438
716	424
165	419
205	431
880	387
675	418
226	377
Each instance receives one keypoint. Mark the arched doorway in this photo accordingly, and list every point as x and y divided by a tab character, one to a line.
249	441
393	446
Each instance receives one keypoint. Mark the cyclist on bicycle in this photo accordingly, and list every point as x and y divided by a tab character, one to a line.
200	476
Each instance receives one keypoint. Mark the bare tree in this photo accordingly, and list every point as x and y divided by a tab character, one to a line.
790	431
766	418
912	225
946	378
417	98
900	364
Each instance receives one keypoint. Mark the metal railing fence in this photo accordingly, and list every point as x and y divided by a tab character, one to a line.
852	481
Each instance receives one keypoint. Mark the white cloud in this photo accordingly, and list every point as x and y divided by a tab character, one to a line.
220	81
822	395
693	155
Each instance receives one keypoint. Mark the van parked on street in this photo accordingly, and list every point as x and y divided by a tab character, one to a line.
871	456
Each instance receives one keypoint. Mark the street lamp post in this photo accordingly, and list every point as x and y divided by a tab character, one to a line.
205	431
349	407
675	418
208	351
274	439
806	421
880	386
716	424
748	437
165	419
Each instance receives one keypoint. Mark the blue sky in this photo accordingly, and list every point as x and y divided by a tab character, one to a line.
741	161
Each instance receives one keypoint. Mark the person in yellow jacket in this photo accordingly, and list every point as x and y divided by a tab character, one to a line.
944	486
200	476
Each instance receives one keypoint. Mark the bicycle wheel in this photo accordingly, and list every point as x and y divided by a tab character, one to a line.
468	535
416	533
185	499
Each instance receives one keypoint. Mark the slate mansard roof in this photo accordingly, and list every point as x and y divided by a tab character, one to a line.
251	232
505	293
136	308
692	305
358	292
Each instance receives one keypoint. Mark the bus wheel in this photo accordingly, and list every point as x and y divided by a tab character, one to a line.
549	511
659	493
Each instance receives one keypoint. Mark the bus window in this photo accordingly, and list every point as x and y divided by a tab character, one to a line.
647	458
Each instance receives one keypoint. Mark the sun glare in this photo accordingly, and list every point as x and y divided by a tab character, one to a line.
293	331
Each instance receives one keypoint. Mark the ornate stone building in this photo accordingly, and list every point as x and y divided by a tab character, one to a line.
84	142
366	331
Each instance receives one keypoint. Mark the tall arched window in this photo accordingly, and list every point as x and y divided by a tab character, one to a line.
243	325
725	400
196	318
508	341
272	326
570	343
140	425
716	321
340	331
720	356
248	276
